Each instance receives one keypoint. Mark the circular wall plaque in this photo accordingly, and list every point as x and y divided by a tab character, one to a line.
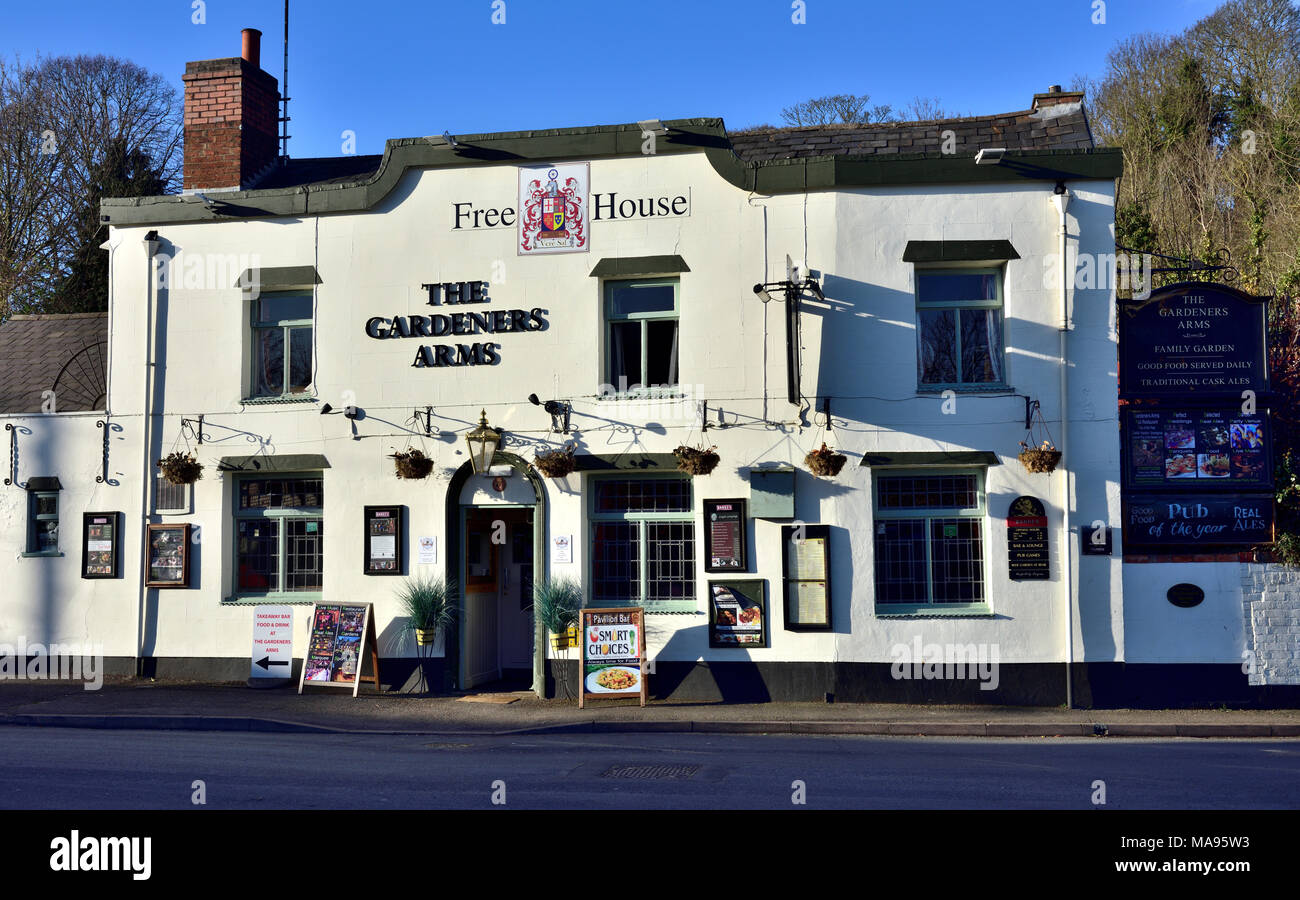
1185	595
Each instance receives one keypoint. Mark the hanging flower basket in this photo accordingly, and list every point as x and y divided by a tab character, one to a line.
412	464
1043	458
555	463
825	461
180	468
696	460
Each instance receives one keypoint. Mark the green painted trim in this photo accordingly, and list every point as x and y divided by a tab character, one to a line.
628	462
293	598
928	611
707	135
946	251
40	553
935	458
620	266
286	462
278	278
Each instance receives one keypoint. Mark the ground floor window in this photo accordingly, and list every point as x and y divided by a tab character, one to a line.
929	541
279	531
643	543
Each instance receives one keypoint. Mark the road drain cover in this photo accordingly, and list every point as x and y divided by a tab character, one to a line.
623	771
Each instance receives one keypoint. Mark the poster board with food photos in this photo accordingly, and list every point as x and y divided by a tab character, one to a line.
167	556
613	654
385	544
341	641
738	614
101	544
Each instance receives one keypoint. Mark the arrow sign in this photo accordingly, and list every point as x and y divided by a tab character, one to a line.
272	642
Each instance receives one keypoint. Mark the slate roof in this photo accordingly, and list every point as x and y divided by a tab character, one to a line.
1062	126
1054	126
60	353
318	170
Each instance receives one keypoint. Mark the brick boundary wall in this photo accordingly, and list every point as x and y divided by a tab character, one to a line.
1271	606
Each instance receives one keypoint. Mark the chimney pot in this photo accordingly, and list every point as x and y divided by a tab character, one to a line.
252	50
1054	89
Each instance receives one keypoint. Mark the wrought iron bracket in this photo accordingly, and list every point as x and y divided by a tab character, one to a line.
13	454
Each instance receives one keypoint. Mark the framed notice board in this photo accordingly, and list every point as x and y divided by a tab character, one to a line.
385	545
806	571
101	545
613	654
342	639
167	556
724	536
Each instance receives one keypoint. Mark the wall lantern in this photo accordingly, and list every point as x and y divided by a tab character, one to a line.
483	442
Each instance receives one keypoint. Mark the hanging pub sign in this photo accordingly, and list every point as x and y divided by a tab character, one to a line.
1027	553
1197	520
737	614
1193	338
342	639
1218	448
724	536
101	545
167	559
807	575
385	544
613	654
553	209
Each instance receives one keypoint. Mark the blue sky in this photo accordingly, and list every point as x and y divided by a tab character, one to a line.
402	69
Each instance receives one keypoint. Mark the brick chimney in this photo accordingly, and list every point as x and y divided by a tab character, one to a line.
232	111
1056	96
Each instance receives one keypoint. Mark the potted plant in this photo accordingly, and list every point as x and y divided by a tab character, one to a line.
180	467
555	463
429	604
557	603
696	460
1042	458
825	461
412	464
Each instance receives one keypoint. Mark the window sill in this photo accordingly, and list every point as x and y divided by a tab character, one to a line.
668	393
966	389
286	398
295	599
27	554
934	611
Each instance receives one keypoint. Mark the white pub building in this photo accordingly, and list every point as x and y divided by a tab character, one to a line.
891	291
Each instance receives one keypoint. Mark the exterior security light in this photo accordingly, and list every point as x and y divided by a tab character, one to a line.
990	156
483	442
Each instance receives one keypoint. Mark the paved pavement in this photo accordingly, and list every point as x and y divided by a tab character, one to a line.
130	703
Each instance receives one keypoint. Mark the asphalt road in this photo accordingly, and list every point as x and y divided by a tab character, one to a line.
64	768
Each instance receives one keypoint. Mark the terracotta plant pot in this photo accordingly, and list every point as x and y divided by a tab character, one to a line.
825	461
555	463
696	460
180	468
1038	460
412	464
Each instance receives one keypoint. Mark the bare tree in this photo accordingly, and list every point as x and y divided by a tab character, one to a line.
925	109
61	119
835	109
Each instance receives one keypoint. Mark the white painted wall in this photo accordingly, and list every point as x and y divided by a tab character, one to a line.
859	344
